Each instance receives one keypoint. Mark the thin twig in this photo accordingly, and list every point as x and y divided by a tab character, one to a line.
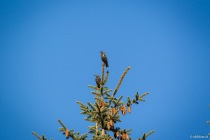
102	77
106	78
150	133
61	124
36	135
141	97
121	79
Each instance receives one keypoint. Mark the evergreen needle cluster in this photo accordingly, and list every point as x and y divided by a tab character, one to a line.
105	112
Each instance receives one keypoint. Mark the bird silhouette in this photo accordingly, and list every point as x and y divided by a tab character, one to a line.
98	80
104	58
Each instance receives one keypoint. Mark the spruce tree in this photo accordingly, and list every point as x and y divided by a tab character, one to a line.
105	112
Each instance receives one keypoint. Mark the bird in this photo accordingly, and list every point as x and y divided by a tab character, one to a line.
104	58
98	80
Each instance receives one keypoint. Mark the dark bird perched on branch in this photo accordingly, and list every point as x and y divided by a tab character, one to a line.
98	80
104	58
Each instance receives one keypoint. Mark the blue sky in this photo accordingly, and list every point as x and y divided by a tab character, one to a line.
49	52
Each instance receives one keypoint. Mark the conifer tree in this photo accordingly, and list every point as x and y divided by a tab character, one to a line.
105	112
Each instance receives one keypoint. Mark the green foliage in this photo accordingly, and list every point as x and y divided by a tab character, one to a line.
104	113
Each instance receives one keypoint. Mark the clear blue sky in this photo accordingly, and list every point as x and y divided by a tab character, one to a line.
49	52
